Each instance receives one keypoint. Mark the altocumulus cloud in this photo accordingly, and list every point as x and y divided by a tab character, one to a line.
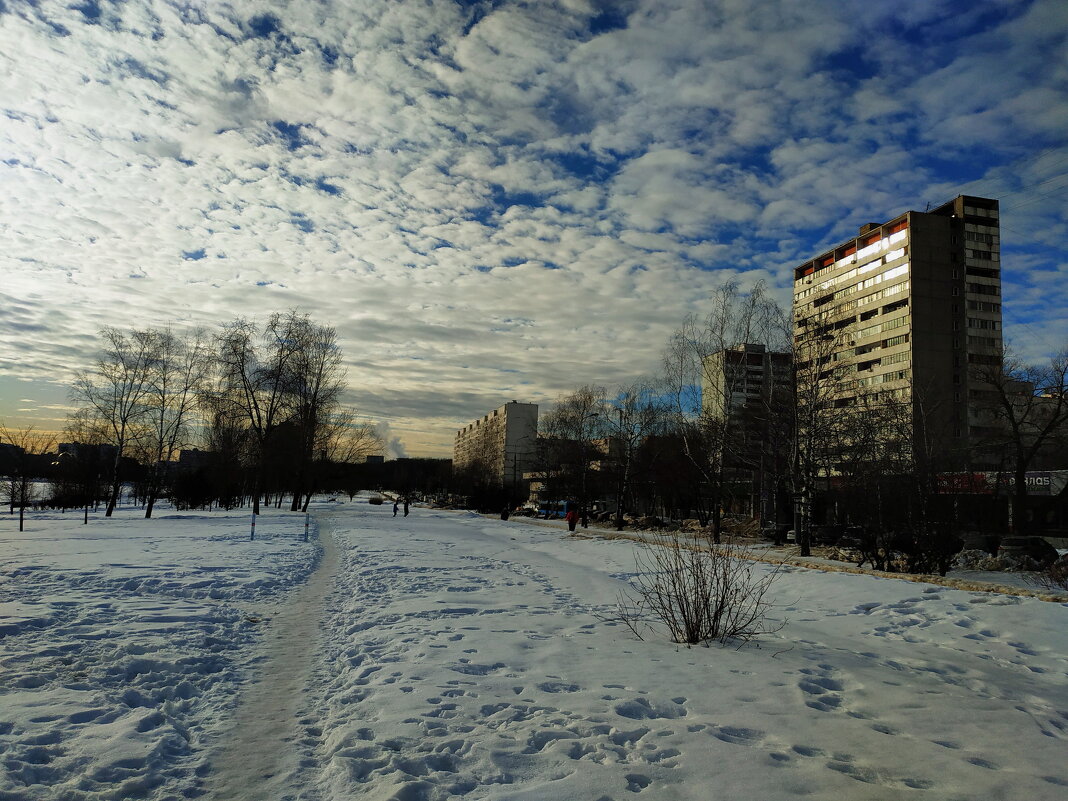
496	200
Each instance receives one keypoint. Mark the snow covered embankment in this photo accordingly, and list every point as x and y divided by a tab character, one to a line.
122	644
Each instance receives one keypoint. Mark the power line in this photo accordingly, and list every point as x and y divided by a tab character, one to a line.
1054	193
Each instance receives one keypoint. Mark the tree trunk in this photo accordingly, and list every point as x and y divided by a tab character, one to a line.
256	495
1020	523
801	535
113	497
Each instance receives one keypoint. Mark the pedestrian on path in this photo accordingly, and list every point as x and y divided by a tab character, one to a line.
395	507
572	518
405	507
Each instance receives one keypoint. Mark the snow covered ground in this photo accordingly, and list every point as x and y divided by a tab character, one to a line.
446	655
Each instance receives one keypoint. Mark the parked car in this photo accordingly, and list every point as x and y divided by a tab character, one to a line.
1034	548
775	532
827	534
852	537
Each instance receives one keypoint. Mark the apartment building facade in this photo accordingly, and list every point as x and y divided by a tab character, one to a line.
909	309
503	442
746	387
742	376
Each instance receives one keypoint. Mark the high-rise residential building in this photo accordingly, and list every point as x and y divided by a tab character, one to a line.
503	442
910	308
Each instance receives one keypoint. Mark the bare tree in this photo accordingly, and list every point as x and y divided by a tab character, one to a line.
576	425
20	468
316	383
116	392
823	368
346	440
80	468
255	370
632	416
175	376
704	386
227	439
1029	404
342	440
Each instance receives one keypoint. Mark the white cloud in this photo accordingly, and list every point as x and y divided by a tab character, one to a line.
523	196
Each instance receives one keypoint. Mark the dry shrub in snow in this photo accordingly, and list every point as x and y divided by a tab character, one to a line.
1055	577
702	591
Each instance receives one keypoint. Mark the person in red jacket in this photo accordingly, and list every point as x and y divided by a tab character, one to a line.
572	518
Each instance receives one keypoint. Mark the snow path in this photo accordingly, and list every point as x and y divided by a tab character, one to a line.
124	645
261	756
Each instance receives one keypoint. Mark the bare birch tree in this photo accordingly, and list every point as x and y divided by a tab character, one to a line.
80	468
316	382
116	390
703	386
633	415
342	439
1029	404
575	423
255	370
822	370
175	376
19	469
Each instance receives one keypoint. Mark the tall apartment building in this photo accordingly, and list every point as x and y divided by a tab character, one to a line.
909	307
504	441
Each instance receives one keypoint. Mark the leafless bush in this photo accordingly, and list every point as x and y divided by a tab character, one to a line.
1055	577
701	590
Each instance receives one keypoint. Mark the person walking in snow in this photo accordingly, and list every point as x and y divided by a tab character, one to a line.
395	507
572	518
405	505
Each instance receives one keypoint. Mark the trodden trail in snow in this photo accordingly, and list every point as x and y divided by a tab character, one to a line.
261	754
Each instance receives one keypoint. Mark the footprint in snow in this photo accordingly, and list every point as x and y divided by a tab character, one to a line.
558	687
636	782
739	735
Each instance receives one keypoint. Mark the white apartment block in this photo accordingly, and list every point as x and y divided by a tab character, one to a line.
505	440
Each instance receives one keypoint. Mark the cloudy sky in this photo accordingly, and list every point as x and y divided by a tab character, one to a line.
495	200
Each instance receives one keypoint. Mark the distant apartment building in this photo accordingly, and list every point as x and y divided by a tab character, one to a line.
742	376
503	442
747	386
909	308
105	453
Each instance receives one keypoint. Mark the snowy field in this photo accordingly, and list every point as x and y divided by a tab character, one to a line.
447	656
